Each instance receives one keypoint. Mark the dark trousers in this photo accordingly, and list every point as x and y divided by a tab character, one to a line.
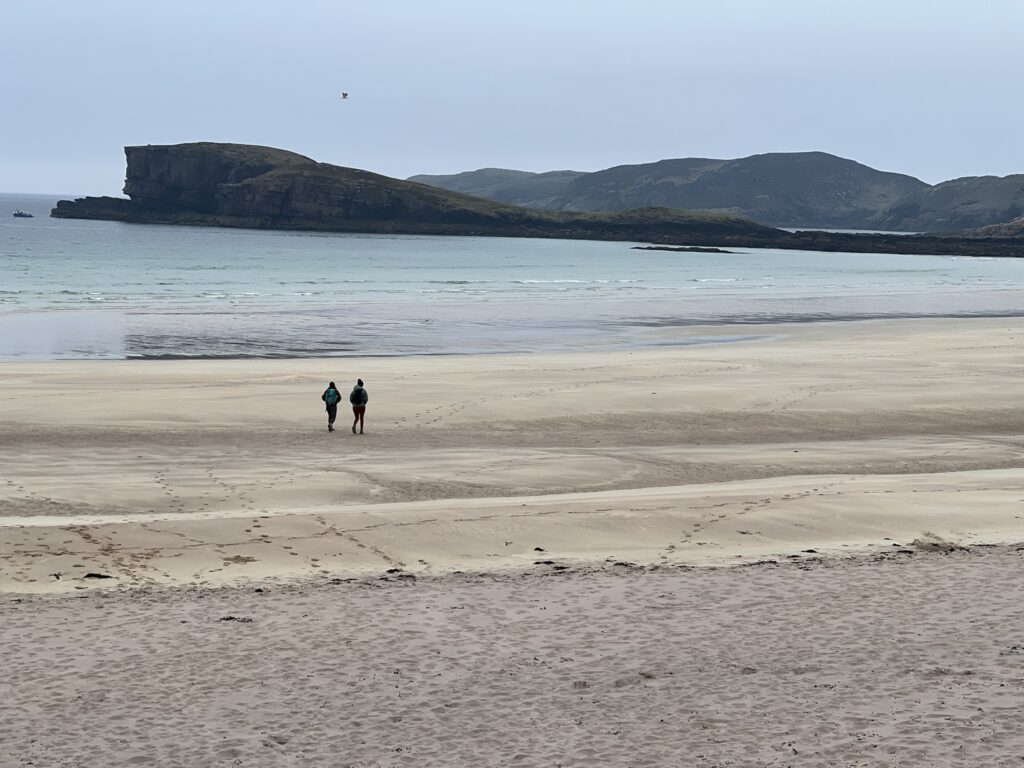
332	412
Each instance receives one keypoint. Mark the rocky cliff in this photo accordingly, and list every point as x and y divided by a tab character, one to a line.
236	185
247	186
194	177
793	189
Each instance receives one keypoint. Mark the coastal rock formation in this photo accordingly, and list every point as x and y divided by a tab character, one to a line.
967	203
1013	228
248	186
236	185
193	177
788	189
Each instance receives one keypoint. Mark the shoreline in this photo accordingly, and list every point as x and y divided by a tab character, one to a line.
679	229
661	334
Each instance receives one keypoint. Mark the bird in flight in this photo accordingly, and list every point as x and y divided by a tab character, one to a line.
344	95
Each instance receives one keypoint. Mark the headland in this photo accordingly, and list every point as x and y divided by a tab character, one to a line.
235	185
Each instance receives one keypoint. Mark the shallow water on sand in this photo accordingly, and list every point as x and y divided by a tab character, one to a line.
88	289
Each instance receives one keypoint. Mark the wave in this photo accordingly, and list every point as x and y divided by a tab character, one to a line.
571	282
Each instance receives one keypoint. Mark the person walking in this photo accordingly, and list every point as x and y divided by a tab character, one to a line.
359	398
331	398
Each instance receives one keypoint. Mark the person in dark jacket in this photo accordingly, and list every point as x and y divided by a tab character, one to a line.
331	398
359	398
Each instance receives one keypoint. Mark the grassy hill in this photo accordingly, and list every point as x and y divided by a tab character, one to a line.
800	189
967	203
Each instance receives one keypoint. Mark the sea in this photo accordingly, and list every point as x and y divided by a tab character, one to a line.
106	290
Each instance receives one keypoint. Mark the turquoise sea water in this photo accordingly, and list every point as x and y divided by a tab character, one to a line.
85	289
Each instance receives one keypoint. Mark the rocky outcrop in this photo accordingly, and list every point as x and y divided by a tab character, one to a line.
967	203
1013	228
193	177
236	185
797	189
245	186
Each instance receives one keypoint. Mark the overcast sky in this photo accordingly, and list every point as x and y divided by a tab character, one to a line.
926	87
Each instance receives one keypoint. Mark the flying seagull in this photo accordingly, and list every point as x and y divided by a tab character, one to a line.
344	95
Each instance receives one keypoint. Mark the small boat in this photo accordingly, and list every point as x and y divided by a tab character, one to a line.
20	214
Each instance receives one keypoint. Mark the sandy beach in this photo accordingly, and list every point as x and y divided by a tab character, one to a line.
524	559
890	660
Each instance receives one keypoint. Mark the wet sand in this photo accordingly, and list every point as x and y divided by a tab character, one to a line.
843	436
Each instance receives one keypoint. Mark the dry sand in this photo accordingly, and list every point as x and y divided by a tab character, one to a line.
898	660
200	482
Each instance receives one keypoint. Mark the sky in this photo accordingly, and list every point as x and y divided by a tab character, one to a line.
930	88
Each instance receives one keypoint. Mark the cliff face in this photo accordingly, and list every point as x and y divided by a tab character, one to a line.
190	176
246	186
797	189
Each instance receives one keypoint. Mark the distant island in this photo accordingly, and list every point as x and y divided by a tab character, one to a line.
238	185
